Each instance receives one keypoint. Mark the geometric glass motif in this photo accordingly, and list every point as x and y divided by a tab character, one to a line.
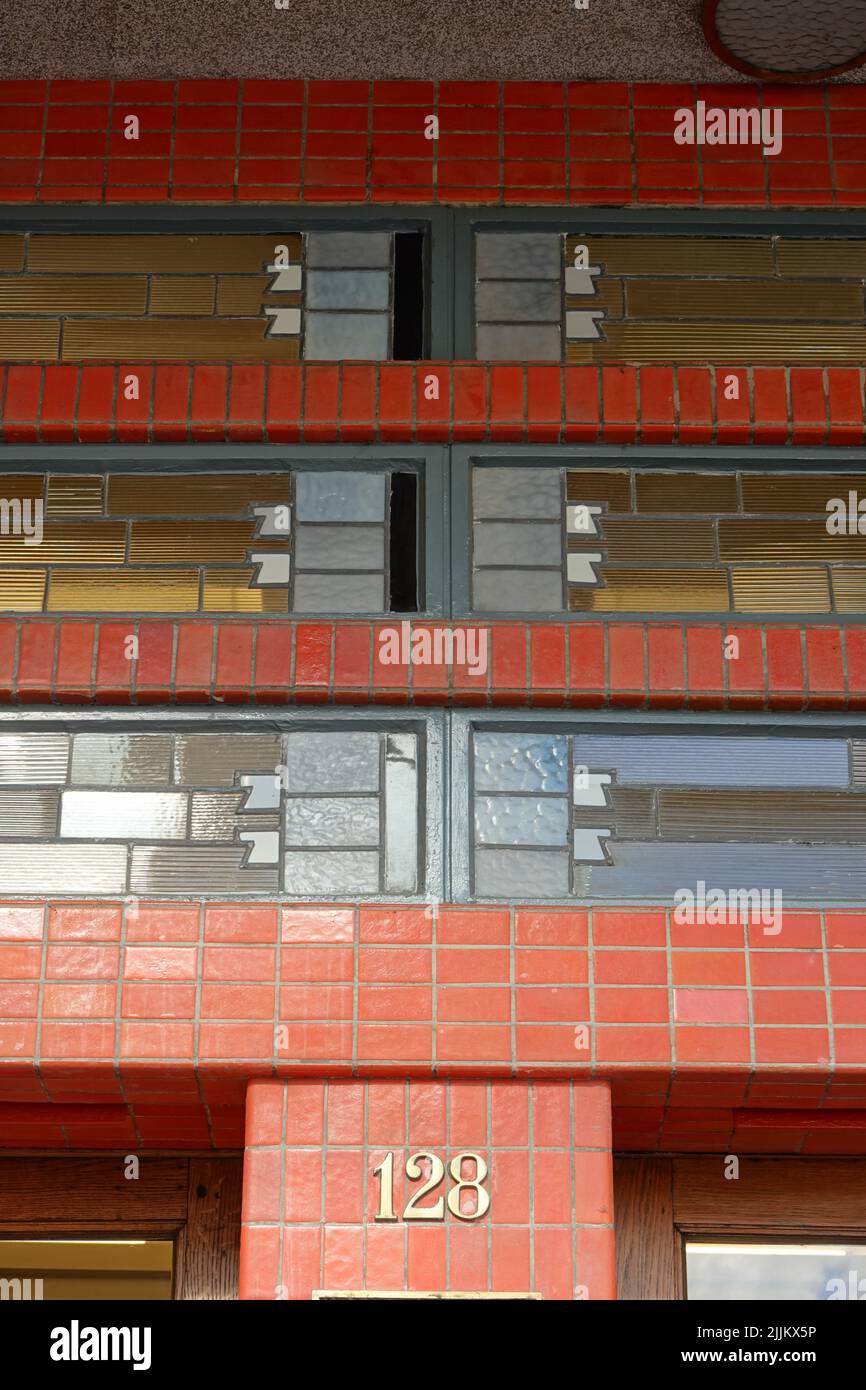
293	541
304	813
613	816
611	297
276	297
548	538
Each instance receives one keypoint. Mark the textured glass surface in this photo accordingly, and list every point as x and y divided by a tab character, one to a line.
211	760
523	874
328	820
521	762
696	760
523	342
337	495
798	871
57	868
517	591
123	815
796	36
337	336
42	759
521	820
325	872
121	759
331	762
517	543
348	289
511	493
518	255
340	249
401	814
206	869
751	1272
340	548
28	814
339	593
515	301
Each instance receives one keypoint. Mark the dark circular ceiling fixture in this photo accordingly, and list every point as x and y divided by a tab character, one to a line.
787	40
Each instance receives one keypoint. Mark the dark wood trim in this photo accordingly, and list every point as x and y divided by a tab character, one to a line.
648	1260
659	1201
194	1201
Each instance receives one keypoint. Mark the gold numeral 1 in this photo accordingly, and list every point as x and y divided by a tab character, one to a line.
385	1174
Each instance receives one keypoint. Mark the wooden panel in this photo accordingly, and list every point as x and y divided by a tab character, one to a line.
651	591
731	342
726	299
209	1253
672	255
686	492
198	255
124	591
183	294
770	1195
22	591
648	1249
96	295
827	256
21	339
642	540
167	340
11	252
73	1189
69	543
228	591
194	494
780	589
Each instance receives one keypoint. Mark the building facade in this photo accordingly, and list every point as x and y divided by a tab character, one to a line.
432	665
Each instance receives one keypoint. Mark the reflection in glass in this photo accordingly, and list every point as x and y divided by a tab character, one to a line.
794	1273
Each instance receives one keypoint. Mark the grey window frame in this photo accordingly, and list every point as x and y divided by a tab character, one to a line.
626	221
435	222
460	782
429	723
675	458
428	462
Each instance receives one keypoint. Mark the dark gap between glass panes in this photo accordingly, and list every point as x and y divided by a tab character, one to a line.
403	543
408	345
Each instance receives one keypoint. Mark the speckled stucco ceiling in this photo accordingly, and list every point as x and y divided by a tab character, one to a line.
649	40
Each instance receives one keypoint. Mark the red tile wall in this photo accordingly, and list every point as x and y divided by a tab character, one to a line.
384	990
310	1195
597	664
502	143
385	403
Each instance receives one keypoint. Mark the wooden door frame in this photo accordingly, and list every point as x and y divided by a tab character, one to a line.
192	1200
660	1201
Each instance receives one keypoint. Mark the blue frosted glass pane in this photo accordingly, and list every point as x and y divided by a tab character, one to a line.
521	820
524	874
687	761
340	496
656	871
331	871
521	762
337	761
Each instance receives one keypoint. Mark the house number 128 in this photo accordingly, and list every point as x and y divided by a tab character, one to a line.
414	1171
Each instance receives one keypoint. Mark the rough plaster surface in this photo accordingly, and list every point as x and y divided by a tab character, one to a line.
649	40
